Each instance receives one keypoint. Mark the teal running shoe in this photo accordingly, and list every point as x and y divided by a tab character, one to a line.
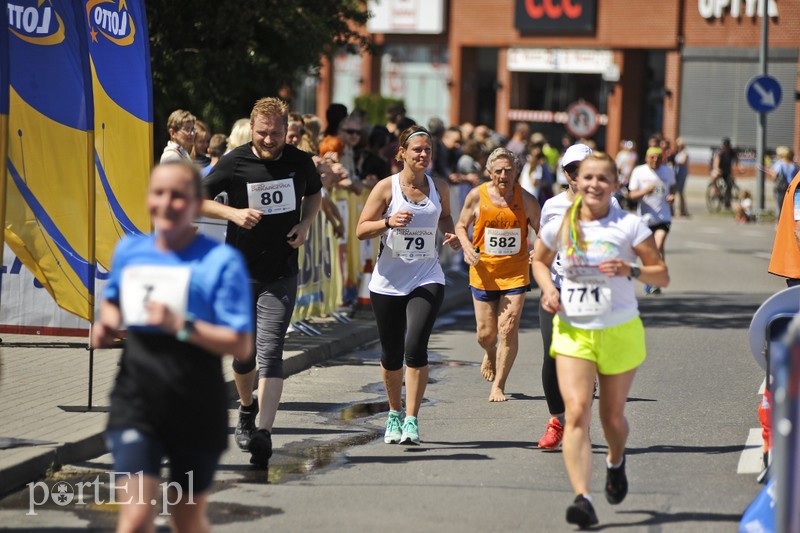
393	431
410	431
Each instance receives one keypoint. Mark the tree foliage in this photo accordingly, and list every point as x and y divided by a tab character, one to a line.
216	58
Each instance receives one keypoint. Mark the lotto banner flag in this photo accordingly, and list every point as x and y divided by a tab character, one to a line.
123	118
50	202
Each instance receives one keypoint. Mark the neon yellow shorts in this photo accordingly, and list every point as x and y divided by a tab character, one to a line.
614	350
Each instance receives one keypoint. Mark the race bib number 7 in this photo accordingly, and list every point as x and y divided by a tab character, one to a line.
145	283
272	197
414	243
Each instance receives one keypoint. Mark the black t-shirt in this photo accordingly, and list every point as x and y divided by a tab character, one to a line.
172	390
268	254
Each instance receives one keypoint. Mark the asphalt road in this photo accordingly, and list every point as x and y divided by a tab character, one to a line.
692	407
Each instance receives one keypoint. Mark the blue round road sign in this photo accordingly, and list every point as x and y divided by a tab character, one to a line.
763	94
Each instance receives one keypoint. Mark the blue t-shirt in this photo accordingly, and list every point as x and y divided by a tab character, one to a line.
158	374
219	291
789	170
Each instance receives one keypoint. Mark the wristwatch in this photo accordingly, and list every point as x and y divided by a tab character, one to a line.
386	221
187	329
635	271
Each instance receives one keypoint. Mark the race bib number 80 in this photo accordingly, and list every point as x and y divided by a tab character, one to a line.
145	283
414	243
272	197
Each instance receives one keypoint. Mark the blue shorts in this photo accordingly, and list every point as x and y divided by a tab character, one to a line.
135	451
492	296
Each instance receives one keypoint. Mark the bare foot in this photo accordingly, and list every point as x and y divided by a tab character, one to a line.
487	368
497	395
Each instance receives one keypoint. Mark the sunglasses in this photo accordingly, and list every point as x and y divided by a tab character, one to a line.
571	168
351	131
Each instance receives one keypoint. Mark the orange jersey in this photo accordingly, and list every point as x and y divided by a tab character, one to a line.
501	235
785	260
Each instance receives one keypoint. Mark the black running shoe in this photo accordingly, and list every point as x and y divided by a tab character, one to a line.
581	513
616	483
260	448
246	425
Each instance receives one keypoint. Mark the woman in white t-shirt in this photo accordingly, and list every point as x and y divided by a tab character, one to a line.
597	332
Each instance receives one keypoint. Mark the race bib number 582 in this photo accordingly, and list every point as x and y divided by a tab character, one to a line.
502	241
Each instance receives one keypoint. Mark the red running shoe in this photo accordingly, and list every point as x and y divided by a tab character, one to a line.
552	435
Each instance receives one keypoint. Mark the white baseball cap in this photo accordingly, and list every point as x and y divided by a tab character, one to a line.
575	154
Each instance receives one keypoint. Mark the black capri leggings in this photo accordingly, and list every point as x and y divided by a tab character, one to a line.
405	324
555	403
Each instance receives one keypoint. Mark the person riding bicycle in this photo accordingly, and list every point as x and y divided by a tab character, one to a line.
723	162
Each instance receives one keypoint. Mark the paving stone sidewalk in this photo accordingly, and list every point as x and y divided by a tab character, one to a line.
44	382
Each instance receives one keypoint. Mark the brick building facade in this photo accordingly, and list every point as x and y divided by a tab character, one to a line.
674	66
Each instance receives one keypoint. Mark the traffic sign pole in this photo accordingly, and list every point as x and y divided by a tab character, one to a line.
761	129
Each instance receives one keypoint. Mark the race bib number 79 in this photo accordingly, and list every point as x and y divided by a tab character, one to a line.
414	243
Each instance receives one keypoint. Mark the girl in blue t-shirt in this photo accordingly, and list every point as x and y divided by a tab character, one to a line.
185	301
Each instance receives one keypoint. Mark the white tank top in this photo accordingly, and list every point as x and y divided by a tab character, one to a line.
408	258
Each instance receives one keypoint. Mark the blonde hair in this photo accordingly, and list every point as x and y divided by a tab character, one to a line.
270	107
309	142
240	133
571	233
784	152
178	117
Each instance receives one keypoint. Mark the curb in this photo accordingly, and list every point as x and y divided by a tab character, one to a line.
300	353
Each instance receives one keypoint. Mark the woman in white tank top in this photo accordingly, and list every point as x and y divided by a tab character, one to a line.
407	285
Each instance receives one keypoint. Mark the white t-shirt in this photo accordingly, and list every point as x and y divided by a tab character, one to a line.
554	209
653	208
614	236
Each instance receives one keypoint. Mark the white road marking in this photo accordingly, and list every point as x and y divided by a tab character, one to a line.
763	387
703	246
751	461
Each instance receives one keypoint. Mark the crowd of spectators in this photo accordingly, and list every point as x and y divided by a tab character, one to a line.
352	155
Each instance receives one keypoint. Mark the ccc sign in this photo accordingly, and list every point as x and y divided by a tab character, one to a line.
553	9
556	16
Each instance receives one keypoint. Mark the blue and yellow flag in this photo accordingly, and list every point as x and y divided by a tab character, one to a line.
3	116
123	118
50	201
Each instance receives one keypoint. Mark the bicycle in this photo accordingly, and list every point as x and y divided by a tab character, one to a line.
715	194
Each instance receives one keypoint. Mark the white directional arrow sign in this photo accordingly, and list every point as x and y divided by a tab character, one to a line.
763	94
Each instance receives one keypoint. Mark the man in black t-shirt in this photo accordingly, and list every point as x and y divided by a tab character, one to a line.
724	162
273	197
